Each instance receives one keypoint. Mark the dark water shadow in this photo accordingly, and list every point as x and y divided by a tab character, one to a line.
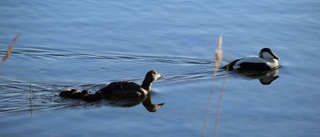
146	102
264	77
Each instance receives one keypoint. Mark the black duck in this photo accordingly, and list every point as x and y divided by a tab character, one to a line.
127	90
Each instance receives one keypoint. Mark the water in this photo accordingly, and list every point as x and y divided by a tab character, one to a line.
88	44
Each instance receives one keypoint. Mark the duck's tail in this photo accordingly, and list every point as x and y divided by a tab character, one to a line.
223	67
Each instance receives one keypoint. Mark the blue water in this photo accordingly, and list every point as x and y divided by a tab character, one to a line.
88	44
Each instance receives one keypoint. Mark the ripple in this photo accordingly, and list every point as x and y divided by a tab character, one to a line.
15	95
49	53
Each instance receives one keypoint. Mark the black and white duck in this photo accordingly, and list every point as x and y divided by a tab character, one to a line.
266	61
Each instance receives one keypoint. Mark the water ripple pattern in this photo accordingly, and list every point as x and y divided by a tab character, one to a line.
45	93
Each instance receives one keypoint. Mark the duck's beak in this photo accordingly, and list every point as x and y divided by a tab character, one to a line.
161	76
274	56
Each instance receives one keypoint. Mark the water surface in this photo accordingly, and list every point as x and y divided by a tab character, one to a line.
88	44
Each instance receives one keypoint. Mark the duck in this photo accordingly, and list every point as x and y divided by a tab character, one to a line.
79	95
265	61
128	90
67	92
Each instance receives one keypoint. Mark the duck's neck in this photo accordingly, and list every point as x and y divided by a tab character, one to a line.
272	63
146	85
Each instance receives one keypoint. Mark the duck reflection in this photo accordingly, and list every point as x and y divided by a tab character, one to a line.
113	100
265	77
146	101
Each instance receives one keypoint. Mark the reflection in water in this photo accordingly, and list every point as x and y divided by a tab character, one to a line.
265	77
118	101
146	101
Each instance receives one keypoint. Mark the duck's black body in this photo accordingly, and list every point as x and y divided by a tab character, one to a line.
122	89
266	61
250	66
127	90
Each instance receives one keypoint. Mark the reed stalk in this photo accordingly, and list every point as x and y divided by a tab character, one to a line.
215	133
30	99
10	48
218	58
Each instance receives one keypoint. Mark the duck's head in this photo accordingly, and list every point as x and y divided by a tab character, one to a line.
266	53
152	76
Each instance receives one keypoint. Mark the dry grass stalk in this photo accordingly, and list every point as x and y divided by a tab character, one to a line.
9	50
30	100
218	58
220	99
218	55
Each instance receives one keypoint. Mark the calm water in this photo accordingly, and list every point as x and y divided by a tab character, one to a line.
88	44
